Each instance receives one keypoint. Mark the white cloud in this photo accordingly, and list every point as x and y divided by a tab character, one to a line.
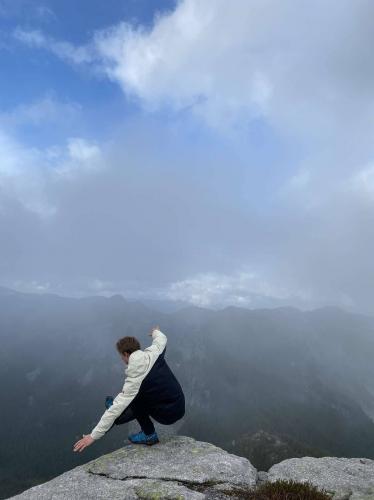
33	286
44	13
200	57
22	175
242	288
302	67
290	62
65	50
80	156
26	173
39	112
363	181
298	181
103	287
28	9
81	150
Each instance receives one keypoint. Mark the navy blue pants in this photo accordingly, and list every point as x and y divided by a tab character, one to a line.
167	414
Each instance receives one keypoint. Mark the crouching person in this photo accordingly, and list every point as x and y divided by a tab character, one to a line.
150	391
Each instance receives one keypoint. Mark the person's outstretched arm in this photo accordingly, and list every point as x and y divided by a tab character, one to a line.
120	403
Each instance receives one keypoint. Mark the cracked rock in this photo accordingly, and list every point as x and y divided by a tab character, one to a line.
179	458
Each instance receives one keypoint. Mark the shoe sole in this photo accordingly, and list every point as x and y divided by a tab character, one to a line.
153	442
147	443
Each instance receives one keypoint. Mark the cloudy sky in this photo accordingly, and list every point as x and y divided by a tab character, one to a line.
187	150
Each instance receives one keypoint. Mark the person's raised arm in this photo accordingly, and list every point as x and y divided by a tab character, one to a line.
159	341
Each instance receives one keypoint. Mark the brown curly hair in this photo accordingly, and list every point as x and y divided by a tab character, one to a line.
127	344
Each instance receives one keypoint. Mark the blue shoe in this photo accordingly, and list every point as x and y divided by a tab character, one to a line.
134	435
142	438
152	439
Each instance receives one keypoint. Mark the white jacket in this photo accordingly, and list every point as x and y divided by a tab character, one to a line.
140	363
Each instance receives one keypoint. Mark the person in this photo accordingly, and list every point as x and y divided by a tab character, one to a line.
150	390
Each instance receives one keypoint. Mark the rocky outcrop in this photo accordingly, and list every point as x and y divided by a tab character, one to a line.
183	468
177	468
351	478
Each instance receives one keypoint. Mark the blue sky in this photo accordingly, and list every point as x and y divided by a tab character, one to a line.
31	76
177	150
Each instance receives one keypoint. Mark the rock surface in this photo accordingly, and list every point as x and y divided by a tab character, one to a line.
351	478
177	468
182	468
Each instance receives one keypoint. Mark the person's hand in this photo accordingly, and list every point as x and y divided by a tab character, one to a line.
83	443
153	329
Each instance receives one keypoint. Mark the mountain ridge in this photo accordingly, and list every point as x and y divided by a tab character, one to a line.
304	378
